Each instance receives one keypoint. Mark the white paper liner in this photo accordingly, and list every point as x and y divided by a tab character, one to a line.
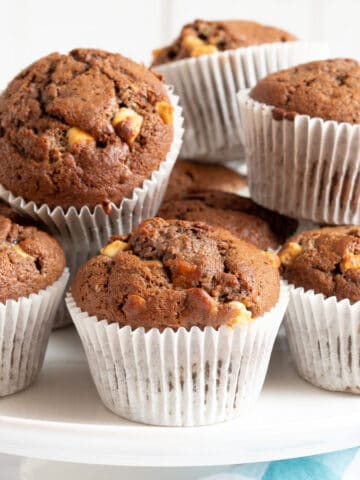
307	168
324	339
25	326
82	233
207	87
179	378
234	154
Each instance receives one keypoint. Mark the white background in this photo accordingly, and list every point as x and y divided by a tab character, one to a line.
30	29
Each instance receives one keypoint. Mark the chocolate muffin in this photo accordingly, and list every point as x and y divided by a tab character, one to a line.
240	215
204	37
30	260
177	274
188	176
82	129
329	89
325	260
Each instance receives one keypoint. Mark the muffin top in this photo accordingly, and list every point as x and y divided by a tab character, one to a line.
188	176
30	260
82	129
329	89
171	273
241	216
325	260
203	37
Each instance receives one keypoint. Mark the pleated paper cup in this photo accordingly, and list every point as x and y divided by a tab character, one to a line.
25	326
324	339
82	233
178	378
307	168
207	87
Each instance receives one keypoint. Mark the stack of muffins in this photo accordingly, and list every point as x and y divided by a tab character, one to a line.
178	313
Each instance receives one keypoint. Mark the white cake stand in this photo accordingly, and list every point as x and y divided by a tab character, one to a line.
61	418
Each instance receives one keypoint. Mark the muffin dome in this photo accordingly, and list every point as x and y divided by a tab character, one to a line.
241	216
188	176
329	89
175	273
82	129
325	260
30	260
203	37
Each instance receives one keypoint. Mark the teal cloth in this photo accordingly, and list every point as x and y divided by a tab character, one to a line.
329	466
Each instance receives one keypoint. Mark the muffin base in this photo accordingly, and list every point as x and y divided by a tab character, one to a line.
179	378
207	86
322	156
324	339
25	326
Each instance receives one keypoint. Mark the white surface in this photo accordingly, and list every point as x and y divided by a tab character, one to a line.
33	28
62	418
44	470
20	468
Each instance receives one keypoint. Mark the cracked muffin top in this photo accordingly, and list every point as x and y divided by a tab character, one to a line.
204	37
329	89
188	177
172	273
82	129
240	215
326	260
30	260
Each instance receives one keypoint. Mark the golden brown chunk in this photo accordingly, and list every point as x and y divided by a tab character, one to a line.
289	254
242	316
134	304
76	136
184	274
350	261
274	259
166	112
203	50
113	248
22	253
127	124
192	41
